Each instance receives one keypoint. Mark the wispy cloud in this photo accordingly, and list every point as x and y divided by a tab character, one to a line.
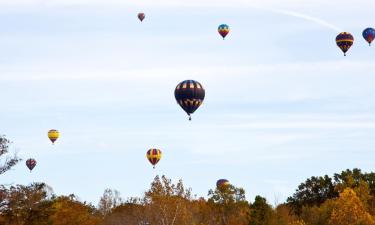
262	5
306	17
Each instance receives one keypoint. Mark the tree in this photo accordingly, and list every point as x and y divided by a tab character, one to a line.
167	203
316	190
313	192
230	205
318	215
9	161
68	211
109	200
353	179
349	210
261	211
26	205
128	213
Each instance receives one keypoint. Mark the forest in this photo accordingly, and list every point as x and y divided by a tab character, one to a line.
346	198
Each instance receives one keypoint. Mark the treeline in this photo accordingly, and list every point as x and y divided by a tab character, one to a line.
347	198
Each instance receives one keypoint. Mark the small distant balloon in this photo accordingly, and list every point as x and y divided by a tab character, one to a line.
369	35
53	135
223	30
31	163
153	155
344	41
222	183
189	95
141	16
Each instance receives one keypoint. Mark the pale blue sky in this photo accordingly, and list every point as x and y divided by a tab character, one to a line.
282	102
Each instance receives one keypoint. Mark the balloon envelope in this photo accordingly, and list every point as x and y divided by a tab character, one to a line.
141	16
189	95
31	163
222	183
369	34
223	30
344	41
153	155
53	135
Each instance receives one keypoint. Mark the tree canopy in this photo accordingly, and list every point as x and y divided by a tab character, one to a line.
344	199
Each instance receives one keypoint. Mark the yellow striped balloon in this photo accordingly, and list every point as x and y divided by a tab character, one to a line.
154	156
344	41
53	135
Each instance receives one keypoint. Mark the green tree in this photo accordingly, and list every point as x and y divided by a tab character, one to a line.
313	192
230	205
260	212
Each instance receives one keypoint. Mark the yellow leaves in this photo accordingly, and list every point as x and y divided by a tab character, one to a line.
70	212
297	222
349	210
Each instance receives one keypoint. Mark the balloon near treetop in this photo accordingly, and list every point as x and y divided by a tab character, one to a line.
153	155
31	163
222	183
344	41
53	135
369	35
189	95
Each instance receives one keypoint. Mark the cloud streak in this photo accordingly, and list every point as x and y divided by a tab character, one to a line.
306	17
168	3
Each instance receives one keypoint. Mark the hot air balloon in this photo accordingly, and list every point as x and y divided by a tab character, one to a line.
154	156
344	40
222	183
189	95
223	30
31	163
369	35
141	16
53	135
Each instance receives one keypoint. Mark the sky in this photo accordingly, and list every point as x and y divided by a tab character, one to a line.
282	102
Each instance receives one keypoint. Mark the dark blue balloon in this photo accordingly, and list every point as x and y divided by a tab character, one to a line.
369	34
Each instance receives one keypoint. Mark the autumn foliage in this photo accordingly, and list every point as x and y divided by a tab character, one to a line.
345	199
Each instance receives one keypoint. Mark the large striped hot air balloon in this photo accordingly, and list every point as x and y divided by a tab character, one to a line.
344	41
154	156
53	135
31	163
223	30
189	95
369	35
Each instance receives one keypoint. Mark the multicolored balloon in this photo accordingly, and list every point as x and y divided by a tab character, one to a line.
222	183
53	135
189	95
223	30
344	41
31	163
141	16
154	156
369	35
